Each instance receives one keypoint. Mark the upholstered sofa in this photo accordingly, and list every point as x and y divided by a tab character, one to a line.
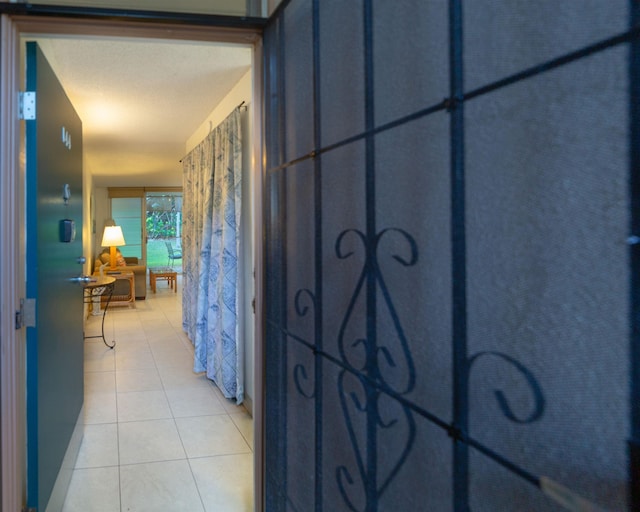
132	265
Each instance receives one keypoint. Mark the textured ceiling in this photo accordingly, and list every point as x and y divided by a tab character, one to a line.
140	100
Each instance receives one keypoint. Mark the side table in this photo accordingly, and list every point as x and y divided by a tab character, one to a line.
119	299
166	273
99	287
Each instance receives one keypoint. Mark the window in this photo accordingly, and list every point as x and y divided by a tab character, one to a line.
126	212
150	218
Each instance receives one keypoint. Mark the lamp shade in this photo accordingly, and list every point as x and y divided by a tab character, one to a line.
112	236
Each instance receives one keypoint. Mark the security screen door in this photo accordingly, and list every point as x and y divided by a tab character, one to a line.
447	255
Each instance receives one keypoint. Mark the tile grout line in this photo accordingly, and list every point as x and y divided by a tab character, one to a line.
177	341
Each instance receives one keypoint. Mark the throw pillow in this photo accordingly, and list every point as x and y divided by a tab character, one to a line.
120	261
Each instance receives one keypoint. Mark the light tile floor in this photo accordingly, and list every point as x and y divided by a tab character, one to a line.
157	436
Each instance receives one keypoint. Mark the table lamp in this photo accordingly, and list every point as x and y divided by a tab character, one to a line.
111	238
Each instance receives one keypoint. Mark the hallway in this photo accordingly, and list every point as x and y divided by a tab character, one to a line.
157	436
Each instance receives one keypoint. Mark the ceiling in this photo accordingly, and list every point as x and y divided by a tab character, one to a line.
140	100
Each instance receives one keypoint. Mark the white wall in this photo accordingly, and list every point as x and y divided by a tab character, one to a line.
87	229
272	5
102	213
241	92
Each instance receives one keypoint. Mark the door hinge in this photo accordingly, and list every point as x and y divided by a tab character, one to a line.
26	315
27	105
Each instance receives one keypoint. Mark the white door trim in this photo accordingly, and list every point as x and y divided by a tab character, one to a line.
258	276
12	340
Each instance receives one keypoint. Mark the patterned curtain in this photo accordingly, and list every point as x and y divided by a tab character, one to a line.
210	243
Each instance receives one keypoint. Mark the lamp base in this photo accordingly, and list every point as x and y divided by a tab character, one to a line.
112	257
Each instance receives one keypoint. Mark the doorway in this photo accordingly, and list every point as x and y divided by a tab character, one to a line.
163	223
151	31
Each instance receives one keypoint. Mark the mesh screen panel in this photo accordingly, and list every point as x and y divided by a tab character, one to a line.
447	266
547	216
512	36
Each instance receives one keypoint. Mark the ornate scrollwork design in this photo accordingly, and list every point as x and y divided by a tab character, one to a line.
301	308
503	403
378	368
371	269
373	361
406	262
342	472
300	374
352	405
413	247
361	342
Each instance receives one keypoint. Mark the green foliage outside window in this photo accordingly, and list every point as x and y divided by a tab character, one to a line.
164	215
162	225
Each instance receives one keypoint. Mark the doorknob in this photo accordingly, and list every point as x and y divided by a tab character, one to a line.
81	260
82	279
